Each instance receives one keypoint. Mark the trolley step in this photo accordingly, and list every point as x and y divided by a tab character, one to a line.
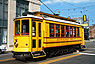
38	54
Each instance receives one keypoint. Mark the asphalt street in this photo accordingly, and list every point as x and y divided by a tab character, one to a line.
82	57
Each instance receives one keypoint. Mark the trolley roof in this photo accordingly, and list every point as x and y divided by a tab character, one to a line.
51	19
39	13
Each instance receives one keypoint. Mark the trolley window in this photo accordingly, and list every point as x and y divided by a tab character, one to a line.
51	30
40	43
33	43
57	30
74	31
62	31
25	27
34	29
77	31
39	29
67	31
17	27
71	31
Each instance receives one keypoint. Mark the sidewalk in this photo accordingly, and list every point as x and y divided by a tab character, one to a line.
91	40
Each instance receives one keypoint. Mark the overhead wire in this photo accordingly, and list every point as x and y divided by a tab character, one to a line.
47	6
79	7
76	7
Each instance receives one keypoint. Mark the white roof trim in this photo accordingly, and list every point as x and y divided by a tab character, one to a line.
52	19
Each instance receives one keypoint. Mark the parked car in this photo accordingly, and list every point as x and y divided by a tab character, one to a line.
2	48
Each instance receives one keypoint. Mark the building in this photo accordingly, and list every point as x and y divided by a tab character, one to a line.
92	31
9	9
79	20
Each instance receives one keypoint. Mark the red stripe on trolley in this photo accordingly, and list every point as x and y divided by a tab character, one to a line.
61	46
62	41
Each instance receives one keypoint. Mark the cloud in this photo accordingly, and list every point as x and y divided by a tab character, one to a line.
70	1
48	2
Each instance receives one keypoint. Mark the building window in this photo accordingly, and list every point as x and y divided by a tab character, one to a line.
67	31
3	13
1	10
57	30
51	30
21	6
62	31
3	20
0	30
71	31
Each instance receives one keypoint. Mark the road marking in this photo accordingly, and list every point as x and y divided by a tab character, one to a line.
86	53
90	48
4	54
58	59
7	59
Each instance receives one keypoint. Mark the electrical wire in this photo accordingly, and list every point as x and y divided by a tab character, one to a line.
79	7
47	6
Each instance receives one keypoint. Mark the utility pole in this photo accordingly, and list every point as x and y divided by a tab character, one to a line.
89	28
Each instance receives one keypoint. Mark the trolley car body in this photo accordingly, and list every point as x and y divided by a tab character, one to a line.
37	36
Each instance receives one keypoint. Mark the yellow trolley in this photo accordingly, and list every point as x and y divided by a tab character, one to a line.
39	36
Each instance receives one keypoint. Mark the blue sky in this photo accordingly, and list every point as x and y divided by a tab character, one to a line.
72	8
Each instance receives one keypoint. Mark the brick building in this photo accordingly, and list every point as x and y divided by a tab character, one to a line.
92	31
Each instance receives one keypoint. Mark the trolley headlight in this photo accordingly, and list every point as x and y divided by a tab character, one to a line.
16	44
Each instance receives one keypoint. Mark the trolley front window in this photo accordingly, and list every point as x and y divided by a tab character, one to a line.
39	29
17	27
34	29
25	27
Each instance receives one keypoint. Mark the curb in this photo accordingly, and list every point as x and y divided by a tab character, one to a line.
90	40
